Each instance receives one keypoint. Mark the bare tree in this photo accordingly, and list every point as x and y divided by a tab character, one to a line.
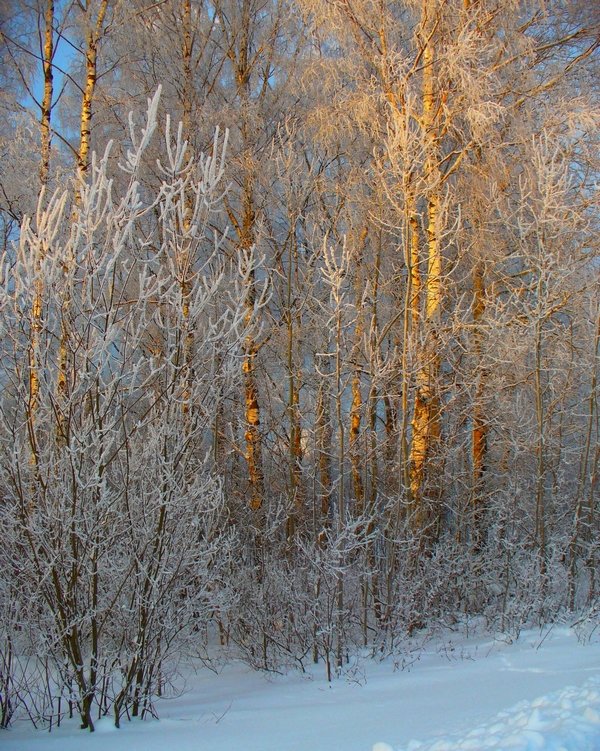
115	529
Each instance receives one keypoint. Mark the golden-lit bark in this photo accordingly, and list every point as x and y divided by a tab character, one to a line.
36	327
46	136
252	433
412	320
239	55
36	306
91	76
34	380
83	156
426	415
415	269
46	131
353	435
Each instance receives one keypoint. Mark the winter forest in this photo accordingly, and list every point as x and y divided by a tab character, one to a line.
300	334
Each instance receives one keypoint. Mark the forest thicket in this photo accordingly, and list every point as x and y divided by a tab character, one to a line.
300	326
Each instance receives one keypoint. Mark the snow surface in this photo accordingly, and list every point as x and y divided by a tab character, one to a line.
567	720
541	693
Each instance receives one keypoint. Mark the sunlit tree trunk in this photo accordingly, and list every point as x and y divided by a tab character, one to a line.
426	416
46	130
36	307
252	433
83	155
34	380
94	32
242	61
46	137
411	325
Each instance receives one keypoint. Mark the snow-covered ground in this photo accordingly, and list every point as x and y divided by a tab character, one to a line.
540	693
567	720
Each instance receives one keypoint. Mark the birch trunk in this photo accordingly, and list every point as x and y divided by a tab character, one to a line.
36	308
83	155
252	433
426	417
91	76
46	131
